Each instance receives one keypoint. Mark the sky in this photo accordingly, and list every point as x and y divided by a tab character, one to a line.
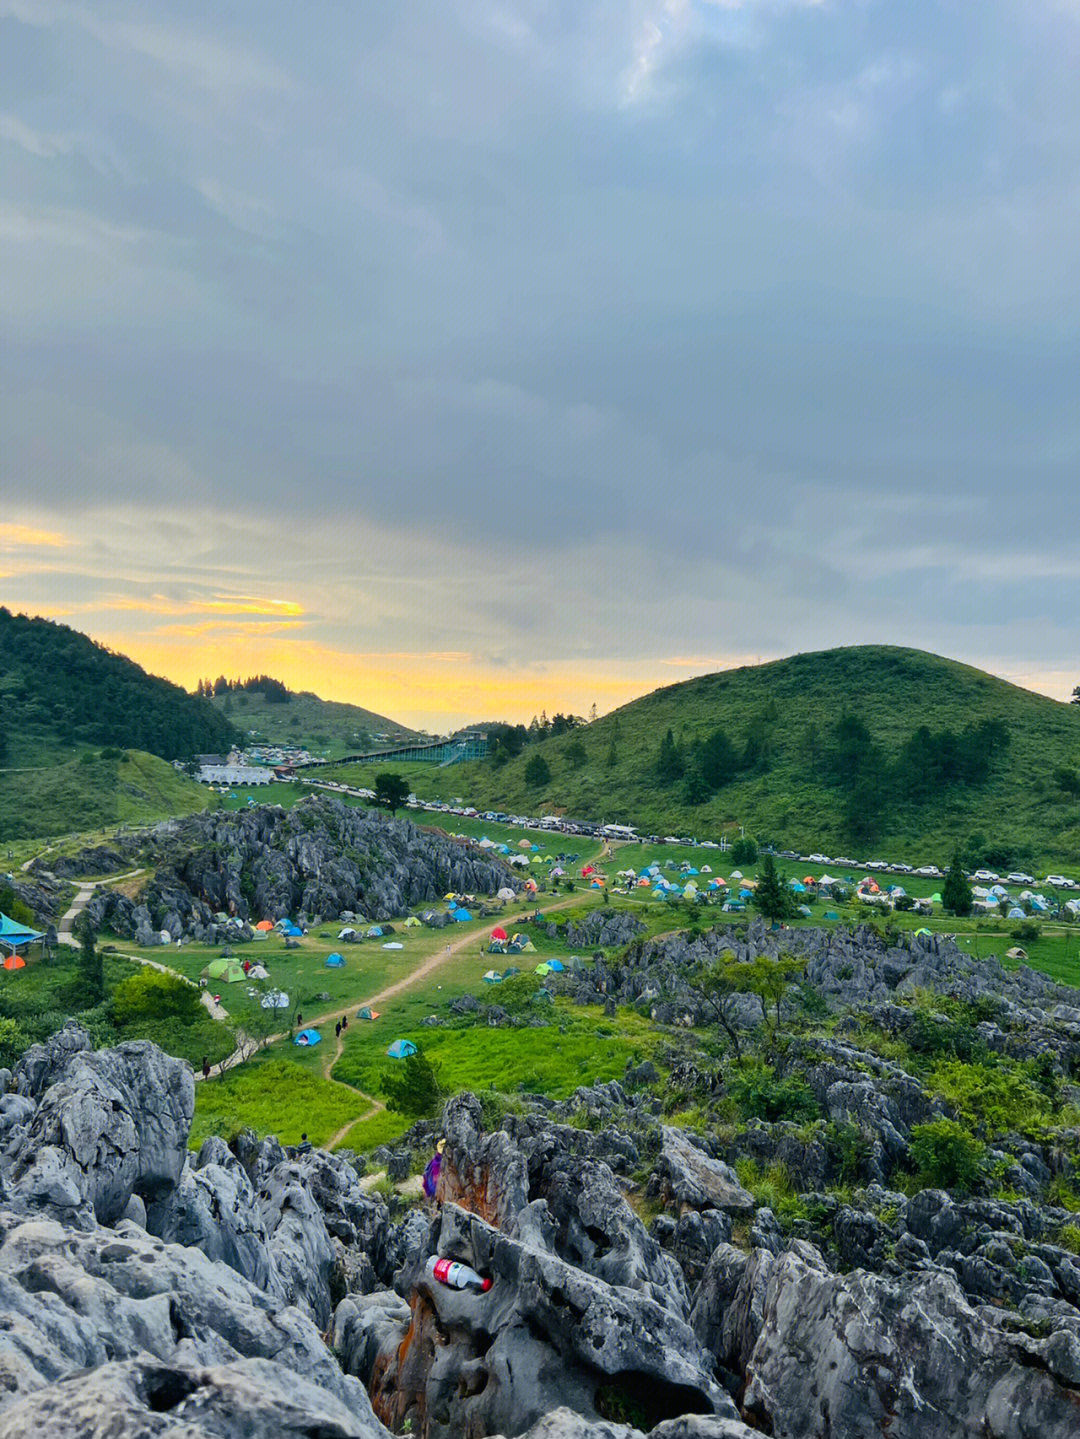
468	358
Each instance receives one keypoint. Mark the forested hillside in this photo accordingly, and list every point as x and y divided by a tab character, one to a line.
61	692
846	750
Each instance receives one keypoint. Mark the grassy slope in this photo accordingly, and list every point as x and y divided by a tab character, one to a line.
91	793
893	690
322	726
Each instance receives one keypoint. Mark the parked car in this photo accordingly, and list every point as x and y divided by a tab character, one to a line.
818	859
985	876
901	869
1017	877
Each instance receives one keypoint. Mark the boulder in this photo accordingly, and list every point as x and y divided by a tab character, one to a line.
688	1176
144	1397
107	1125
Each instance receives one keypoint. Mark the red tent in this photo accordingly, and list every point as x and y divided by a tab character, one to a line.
498	932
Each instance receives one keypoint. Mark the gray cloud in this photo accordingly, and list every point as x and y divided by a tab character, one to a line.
736	328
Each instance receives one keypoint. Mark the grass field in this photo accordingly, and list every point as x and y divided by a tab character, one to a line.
275	1097
92	793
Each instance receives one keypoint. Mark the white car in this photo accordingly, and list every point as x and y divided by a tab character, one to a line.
1017	878
901	869
876	864
818	859
985	876
929	871
1059	881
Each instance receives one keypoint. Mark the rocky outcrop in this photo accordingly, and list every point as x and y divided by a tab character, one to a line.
859	1355
547	1333
107	1125
317	861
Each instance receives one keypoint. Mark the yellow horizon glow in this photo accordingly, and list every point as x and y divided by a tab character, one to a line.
12	535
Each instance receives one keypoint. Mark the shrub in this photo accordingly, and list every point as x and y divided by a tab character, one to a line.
1026	932
12	1042
412	1087
151	995
744	851
760	1094
996	1097
946	1155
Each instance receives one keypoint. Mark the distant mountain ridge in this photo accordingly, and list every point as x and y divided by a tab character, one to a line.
62	691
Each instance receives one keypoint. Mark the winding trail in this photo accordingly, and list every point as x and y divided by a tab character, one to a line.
434	962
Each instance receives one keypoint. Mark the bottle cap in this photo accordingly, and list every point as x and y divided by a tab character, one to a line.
486	1285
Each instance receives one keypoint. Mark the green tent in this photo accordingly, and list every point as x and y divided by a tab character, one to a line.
224	969
936	898
542	969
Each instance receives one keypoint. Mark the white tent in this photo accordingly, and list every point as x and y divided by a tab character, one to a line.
506	894
276	999
258	971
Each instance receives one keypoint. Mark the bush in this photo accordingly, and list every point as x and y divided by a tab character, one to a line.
759	1094
1026	932
412	1087
946	1156
150	995
993	1096
744	851
12	1042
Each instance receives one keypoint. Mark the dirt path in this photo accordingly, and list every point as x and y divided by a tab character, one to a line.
25	867
432	963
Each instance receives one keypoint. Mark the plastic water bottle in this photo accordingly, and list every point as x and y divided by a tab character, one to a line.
456	1276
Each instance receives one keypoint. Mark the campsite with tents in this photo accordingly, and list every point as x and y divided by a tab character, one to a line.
398	970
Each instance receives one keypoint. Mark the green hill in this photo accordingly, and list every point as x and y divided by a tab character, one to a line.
61	693
994	761
325	727
92	792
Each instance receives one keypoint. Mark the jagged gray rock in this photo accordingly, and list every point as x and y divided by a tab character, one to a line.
859	1355
145	1398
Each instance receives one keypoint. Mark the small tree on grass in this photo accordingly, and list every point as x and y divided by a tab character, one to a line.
412	1087
537	772
772	896
720	985
391	791
770	980
744	851
956	896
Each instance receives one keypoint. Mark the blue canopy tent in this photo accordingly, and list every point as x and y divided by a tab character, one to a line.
557	965
401	1049
334	961
461	915
307	1037
14	935
292	931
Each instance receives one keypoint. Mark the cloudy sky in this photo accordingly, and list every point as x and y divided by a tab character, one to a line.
468	357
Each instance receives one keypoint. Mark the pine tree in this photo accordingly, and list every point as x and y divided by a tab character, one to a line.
772	896
956	896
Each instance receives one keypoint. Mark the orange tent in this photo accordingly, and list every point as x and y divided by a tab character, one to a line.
264	924
14	961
